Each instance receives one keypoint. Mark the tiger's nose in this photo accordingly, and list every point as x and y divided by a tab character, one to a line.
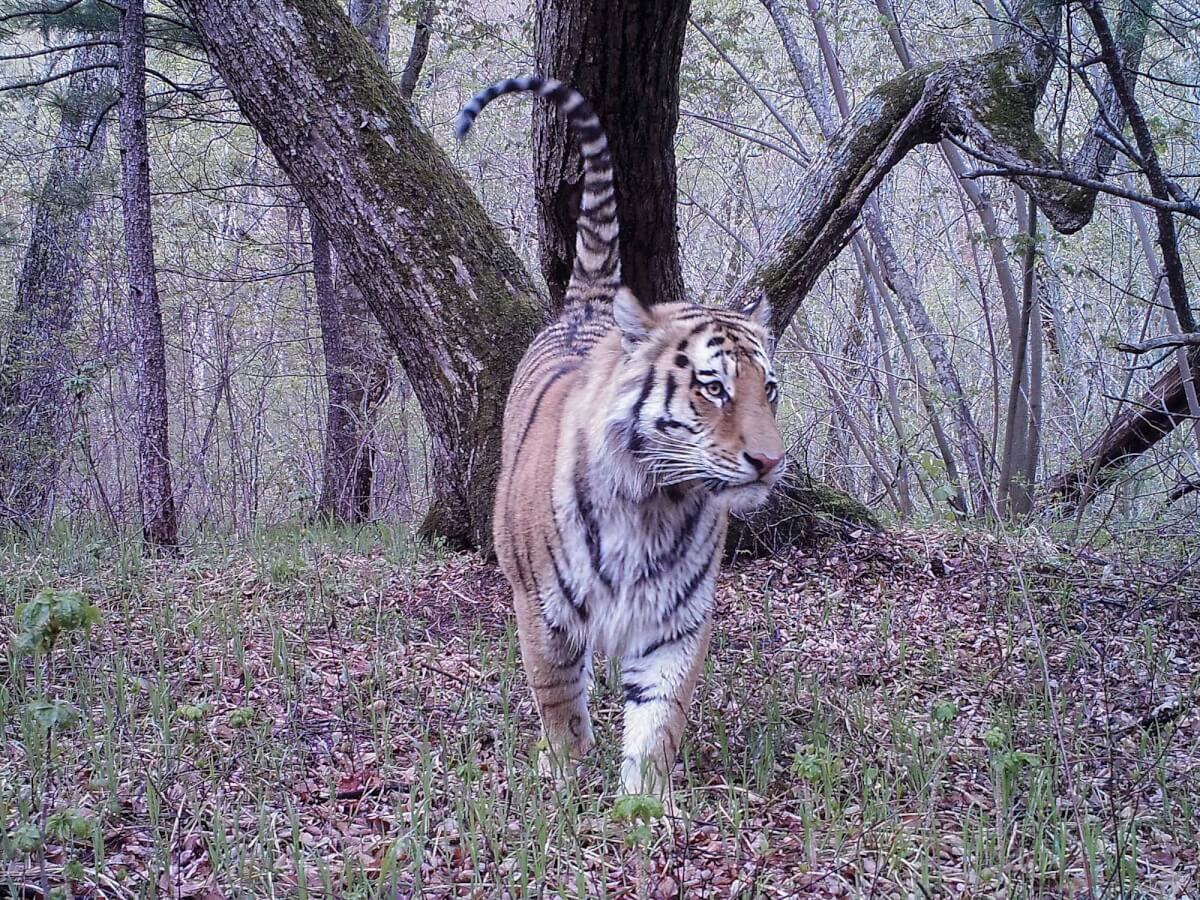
764	462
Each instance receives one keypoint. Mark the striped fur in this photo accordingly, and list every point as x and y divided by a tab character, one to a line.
631	431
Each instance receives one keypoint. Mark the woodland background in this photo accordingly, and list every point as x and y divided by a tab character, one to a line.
247	377
260	314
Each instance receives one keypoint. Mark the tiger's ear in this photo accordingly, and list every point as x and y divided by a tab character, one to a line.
759	312
633	317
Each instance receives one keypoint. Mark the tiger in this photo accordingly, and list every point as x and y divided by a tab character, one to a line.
631	431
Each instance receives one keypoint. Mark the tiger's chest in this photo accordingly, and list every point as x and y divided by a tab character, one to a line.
643	566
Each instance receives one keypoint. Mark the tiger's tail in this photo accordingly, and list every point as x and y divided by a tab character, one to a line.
597	270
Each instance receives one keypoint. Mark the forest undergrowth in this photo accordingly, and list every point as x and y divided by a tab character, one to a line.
319	713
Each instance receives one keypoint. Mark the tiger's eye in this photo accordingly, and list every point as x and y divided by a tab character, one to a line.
715	389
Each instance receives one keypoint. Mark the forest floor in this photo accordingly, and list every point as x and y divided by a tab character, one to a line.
919	713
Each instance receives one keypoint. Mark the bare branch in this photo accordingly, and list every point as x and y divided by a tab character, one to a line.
44	11
758	92
62	48
1160	186
58	76
1162	342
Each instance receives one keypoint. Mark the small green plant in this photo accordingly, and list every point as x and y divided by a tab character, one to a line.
943	712
639	811
43	623
48	616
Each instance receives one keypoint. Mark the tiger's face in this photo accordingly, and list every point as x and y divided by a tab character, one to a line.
699	396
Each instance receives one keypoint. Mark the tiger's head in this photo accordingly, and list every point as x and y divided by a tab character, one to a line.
697	397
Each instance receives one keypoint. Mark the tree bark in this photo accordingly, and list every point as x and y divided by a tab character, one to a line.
357	371
1171	400
160	526
624	57
452	297
894	273
418	50
37	358
357	378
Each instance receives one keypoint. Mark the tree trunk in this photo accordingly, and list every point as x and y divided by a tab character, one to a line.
451	295
357	374
159	524
624	57
419	49
357	377
895	275
37	358
1142	424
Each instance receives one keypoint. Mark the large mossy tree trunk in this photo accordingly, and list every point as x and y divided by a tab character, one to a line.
624	57
452	297
36	358
160	525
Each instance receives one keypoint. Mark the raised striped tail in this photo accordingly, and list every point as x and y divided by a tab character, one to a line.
596	274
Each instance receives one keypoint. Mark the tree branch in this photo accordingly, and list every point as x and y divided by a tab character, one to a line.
988	100
418	51
58	76
1160	185
1161	342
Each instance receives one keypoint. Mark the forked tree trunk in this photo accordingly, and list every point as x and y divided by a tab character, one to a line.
159	522
37	357
624	57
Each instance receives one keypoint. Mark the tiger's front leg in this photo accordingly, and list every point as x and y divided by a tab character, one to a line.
560	672
659	683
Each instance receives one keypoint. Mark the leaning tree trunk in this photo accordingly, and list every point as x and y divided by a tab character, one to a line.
624	57
989	100
1137	428
159	523
37	360
357	373
451	295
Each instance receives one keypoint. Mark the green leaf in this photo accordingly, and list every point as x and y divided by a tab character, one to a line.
73	871
944	711
26	838
191	712
638	807
52	714
69	824
994	738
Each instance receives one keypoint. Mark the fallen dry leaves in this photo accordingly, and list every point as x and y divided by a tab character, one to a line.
365	730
